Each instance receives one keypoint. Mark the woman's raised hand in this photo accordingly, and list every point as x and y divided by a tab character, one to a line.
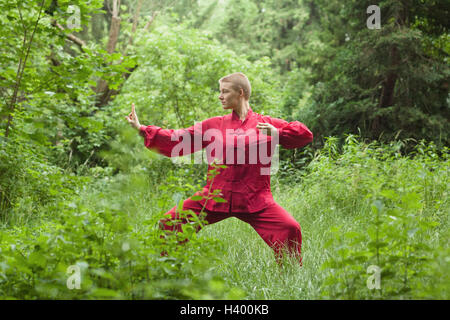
267	128
133	119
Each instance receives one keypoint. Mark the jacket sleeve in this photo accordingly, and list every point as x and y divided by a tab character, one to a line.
174	142
292	134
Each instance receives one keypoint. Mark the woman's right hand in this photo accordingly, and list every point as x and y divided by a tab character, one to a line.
133	119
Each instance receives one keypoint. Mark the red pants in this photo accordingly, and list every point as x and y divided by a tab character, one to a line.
274	224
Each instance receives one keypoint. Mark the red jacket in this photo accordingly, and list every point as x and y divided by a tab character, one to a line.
237	144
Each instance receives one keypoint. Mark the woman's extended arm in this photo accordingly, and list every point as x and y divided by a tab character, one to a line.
169	142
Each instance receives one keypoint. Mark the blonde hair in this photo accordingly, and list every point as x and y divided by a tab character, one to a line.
239	81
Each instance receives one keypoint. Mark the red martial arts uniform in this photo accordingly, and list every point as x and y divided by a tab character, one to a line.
245	183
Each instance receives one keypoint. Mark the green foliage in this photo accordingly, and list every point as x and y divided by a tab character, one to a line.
384	84
55	87
118	258
277	29
28	182
397	230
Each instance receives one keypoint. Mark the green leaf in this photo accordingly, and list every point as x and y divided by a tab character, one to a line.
105	293
390	194
377	244
352	234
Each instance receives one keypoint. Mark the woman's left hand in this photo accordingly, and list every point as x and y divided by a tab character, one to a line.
267	128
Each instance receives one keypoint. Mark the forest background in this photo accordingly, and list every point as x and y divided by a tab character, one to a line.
80	196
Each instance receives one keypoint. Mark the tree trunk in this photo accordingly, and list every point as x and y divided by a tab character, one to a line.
104	93
102	89
387	94
388	87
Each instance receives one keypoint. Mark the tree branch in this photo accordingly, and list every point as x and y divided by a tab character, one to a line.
133	29
22	65
70	36
150	21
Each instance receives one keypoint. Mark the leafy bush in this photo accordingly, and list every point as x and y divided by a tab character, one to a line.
397	218
116	261
28	182
119	255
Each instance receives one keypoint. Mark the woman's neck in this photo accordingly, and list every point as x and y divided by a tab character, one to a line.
242	109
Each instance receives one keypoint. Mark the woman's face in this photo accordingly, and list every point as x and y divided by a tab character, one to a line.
229	97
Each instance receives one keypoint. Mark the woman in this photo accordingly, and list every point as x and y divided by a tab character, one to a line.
238	140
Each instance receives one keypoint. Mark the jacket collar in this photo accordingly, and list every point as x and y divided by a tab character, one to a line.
235	116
